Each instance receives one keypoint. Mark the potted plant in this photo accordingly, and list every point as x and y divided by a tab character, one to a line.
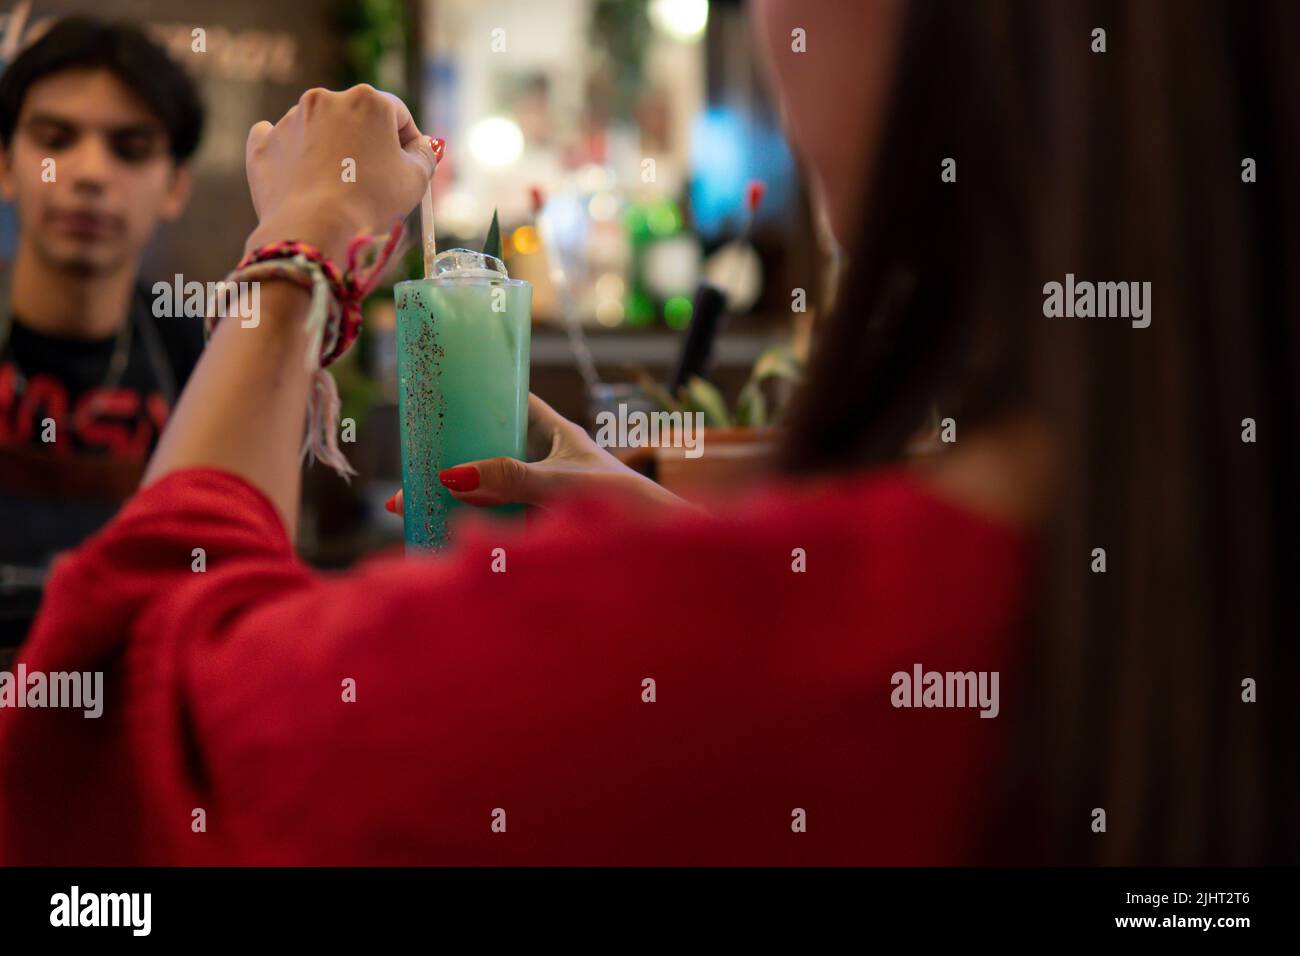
736	445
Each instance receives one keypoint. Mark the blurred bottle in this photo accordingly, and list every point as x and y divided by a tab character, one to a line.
665	264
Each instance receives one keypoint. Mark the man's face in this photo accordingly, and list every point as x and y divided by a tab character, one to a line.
111	180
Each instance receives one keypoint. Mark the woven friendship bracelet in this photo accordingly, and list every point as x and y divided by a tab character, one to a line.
349	288
333	320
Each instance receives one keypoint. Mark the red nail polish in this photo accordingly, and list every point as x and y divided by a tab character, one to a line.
460	478
391	504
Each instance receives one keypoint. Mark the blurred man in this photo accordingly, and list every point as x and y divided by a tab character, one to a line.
97	126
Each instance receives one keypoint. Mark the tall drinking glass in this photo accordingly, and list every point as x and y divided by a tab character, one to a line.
463	341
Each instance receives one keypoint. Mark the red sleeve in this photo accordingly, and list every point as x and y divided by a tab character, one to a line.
466	711
133	605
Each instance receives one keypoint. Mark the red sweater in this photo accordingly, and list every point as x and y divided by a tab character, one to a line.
502	717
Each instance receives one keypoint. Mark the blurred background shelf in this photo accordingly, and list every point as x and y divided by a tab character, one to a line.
639	122
648	349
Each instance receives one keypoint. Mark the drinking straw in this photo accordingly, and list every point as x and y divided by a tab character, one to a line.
426	210
563	291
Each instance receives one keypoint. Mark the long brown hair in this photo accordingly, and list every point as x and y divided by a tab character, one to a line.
1126	165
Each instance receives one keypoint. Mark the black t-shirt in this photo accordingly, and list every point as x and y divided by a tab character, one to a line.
46	379
54	494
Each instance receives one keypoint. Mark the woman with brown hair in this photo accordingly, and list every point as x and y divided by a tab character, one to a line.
1105	541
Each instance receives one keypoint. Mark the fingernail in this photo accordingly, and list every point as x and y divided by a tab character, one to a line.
460	478
391	504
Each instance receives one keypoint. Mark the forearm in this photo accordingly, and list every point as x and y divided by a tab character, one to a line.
244	407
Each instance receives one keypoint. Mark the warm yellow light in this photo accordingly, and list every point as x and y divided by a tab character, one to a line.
683	20
525	240
609	286
609	313
496	141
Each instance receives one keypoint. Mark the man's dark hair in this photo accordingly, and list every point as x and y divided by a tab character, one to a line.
84	43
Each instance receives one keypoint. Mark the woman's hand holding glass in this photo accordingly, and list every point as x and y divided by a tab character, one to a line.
568	463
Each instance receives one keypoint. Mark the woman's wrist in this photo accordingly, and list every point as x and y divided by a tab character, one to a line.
328	228
284	306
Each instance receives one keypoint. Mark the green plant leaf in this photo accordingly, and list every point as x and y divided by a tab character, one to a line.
751	406
656	391
779	361
492	245
707	399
